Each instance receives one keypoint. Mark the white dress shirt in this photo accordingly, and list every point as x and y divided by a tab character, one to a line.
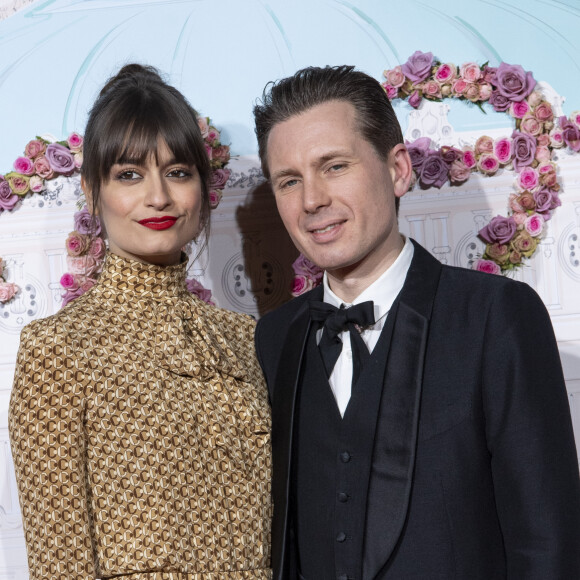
382	292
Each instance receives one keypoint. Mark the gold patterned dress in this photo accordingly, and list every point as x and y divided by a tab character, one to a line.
140	430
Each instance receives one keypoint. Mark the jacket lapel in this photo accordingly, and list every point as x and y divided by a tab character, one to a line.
397	427
283	410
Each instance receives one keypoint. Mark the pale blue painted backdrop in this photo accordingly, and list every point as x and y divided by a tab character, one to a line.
56	54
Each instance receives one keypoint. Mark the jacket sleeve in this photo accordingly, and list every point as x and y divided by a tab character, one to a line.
530	439
48	446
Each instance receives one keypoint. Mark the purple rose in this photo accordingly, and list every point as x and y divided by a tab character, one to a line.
60	158
8	199
302	266
434	171
197	289
524	149
418	150
415	99
570	134
499	102
546	200
418	67
499	229
513	82
219	178
450	154
85	223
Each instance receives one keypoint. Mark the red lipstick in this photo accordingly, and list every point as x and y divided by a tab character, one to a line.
159	223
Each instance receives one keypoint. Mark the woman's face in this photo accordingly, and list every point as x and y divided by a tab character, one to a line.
151	211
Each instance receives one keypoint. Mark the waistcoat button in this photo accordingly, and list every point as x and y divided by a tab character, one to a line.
342	497
340	537
345	456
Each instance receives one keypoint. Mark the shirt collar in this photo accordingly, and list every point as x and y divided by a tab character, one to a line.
384	289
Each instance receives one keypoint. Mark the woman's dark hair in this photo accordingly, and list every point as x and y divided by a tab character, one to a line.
313	86
133	111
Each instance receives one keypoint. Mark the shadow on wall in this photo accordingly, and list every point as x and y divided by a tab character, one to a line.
267	249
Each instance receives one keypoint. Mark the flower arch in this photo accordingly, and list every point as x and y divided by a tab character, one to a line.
528	151
45	159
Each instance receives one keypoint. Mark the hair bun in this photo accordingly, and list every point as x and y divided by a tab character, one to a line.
133	73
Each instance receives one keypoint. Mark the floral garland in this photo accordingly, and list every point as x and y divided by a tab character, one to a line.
86	248
7	289
529	151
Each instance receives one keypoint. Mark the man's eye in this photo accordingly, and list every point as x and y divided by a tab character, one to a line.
337	167
288	183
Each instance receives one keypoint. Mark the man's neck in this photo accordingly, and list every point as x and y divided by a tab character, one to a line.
348	283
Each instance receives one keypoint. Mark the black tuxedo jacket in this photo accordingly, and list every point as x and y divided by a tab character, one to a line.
475	472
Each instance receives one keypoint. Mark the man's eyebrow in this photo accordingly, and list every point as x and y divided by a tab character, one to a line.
325	158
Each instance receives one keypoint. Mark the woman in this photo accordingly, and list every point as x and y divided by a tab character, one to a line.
139	418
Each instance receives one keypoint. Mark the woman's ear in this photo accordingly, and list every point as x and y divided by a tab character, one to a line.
89	198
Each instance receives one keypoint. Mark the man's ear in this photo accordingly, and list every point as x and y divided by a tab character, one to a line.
89	197
401	169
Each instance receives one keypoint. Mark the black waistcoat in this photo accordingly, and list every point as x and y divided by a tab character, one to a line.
332	459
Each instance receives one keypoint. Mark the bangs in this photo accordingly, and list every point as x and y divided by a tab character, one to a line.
136	128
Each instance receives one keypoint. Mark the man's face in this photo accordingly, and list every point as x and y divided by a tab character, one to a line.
335	194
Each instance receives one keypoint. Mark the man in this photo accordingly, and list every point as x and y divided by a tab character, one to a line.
438	445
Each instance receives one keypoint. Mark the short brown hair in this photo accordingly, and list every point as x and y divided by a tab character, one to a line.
313	86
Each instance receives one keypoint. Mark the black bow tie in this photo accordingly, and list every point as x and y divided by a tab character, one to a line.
337	320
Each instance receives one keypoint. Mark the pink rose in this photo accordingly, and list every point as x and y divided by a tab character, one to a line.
530	125
391	91
432	90
445	73
415	99
24	165
528	178
209	151
543	154
83	265
300	285
485	91
36	184
98	248
470	71
86	283
503	150
219	178
78	158
215	196
459	87
459	172
546	167
575	118
77	244
527	201
488	164
395	77
471	92
2	264
75	142
19	184
34	148
42	168
543	140
68	281
213	136
520	218
515	257
543	112
221	154
203	124
535	98
534	225
487	266
7	291
484	145
550	179
518	109
514	204
469	158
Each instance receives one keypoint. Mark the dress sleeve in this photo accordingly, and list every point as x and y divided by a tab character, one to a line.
530	439
48	446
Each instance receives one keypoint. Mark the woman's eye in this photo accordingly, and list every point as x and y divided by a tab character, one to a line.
179	173
128	175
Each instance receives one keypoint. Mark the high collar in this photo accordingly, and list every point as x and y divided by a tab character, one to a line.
147	281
